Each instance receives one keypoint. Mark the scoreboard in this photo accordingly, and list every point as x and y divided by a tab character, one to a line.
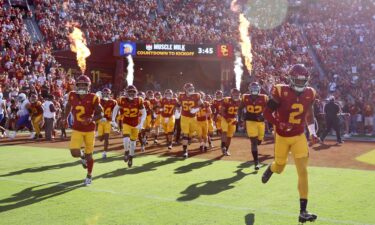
175	50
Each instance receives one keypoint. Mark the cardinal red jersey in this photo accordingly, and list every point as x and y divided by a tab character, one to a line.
292	108
155	104
188	102
216	106
108	106
202	114
131	110
168	106
83	107
36	109
230	107
254	106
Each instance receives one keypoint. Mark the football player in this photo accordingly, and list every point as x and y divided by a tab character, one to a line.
86	109
202	124
133	117
104	125
210	121
142	136
289	109
36	114
22	116
157	112
229	119
254	105
168	107
216	109
190	104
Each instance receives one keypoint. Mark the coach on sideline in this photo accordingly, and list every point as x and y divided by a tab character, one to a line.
331	110
49	116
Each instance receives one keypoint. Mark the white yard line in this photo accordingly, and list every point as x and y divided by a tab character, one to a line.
215	205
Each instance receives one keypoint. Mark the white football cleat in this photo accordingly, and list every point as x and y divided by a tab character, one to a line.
32	135
88	181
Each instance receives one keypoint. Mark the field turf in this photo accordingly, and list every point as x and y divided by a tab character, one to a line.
44	186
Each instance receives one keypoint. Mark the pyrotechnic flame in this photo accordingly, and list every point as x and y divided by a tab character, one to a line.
238	71
130	68
78	45
245	41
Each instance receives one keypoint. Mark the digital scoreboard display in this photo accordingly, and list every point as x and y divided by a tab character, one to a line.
175	50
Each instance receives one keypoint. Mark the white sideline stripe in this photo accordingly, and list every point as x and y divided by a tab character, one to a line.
154	197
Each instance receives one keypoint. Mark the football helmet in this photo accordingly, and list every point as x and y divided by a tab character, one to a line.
157	95
106	93
83	84
168	94
33	98
235	93
150	94
141	94
219	95
254	88
21	97
189	88
131	92
298	77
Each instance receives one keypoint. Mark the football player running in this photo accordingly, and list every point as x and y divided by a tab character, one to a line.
86	109
142	136
229	119
134	116
289	109
36	114
254	105
104	125
216	110
202	124
23	116
190	104
168	108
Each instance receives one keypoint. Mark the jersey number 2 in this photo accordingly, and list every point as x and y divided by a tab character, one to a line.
293	115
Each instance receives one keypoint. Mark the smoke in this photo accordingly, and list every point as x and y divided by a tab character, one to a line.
238	71
130	69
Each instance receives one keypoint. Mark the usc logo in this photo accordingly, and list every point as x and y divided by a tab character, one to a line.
224	50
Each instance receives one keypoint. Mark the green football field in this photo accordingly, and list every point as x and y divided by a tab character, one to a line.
44	186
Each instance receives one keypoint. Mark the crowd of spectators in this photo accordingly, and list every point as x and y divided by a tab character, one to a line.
339	32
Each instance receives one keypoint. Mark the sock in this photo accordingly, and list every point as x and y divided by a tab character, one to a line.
126	142
184	147
90	165
132	147
255	156
223	144
303	204
82	154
